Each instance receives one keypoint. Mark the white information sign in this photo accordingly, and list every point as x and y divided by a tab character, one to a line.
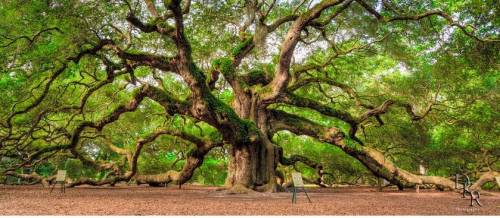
297	180
422	169
61	176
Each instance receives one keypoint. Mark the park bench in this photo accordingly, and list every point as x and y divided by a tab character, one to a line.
298	183
61	179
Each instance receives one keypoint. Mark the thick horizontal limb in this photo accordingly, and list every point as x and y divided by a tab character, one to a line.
193	161
372	159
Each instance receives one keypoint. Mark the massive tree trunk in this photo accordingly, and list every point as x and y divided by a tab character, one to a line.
251	165
243	168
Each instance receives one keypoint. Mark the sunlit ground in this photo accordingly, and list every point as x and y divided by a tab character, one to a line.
197	200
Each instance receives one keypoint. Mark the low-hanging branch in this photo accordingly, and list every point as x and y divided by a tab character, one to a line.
372	159
193	161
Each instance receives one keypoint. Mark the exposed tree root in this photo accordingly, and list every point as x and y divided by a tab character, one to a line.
239	189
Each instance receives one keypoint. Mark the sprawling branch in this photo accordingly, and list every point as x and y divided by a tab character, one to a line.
133	157
349	90
193	161
484	178
282	74
410	109
45	91
373	159
170	104
164	63
163	28
354	122
21	137
418	17
31	40
298	101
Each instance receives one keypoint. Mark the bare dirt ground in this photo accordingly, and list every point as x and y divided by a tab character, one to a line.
196	200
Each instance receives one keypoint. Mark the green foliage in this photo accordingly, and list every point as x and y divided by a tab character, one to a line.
74	168
46	169
212	172
344	168
225	65
242	45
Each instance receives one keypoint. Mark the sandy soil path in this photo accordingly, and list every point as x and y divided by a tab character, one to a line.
195	200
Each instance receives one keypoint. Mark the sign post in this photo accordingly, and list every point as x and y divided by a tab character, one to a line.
498	181
60	178
298	183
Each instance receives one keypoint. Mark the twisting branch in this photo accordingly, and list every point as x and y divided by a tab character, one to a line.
418	17
55	75
171	106
132	163
354	122
31	40
23	136
163	29
282	75
164	63
372	159
323	109
193	161
410	109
